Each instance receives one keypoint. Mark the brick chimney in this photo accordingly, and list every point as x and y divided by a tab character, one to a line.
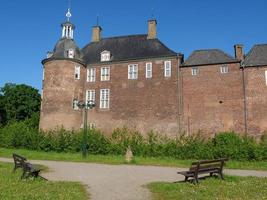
96	33
239	53
152	29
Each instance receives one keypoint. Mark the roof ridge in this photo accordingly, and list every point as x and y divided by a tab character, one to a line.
124	36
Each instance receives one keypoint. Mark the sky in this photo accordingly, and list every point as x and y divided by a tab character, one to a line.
31	28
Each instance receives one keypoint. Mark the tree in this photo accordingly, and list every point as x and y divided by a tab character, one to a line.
18	102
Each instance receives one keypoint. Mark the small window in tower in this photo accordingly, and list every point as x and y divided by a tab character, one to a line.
224	69
105	56
194	71
77	72
266	77
75	104
70	53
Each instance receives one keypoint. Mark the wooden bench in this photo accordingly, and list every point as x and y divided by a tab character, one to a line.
29	170
18	161
204	167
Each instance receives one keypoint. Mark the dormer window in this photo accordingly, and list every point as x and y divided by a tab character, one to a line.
105	56
70	53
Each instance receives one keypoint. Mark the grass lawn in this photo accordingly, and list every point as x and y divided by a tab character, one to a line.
111	159
12	188
234	188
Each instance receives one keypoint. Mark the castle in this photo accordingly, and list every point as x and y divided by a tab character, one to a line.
138	82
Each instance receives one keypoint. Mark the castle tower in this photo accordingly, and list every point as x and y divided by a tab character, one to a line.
63	83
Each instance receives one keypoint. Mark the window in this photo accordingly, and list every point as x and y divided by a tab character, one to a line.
167	68
91	75
133	71
75	104
70	53
266	77
104	98
105	56
90	96
149	70
43	73
105	72
224	69
77	72
194	71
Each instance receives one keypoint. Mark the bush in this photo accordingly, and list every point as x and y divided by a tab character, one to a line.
25	134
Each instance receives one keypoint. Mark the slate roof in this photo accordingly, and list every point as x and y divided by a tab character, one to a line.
207	57
64	44
256	56
126	48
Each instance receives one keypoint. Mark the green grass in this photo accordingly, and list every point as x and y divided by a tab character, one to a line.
12	188
234	188
116	160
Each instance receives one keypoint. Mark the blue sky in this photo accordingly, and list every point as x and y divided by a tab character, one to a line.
30	28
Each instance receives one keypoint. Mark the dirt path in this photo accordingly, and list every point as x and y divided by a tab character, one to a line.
118	182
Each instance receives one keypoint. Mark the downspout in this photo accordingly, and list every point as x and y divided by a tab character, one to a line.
179	93
245	98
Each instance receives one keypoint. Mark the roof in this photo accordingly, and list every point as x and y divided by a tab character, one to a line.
207	57
256	56
126	48
62	46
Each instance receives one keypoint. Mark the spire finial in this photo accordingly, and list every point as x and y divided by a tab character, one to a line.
97	20
68	14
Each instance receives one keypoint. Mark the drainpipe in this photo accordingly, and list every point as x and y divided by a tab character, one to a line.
245	98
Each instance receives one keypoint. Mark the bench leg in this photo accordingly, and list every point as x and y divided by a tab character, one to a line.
221	175
186	179
211	174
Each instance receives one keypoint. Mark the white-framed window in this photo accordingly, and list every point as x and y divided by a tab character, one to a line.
90	96
133	71
70	53
194	71
167	68
43	73
266	77
105	73
91	75
149	70
77	72
75	104
104	98
224	69
105	56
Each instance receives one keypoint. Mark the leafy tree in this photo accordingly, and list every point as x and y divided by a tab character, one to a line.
18	102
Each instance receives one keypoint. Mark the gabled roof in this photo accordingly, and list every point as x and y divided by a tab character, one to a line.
126	48
207	57
256	56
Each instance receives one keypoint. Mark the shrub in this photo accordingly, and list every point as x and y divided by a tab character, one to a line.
25	134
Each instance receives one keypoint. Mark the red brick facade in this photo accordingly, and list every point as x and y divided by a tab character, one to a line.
208	102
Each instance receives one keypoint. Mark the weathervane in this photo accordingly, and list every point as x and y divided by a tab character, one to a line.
68	15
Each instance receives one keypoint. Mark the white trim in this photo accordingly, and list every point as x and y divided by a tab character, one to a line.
90	95
194	71
105	74
104	98
224	69
77	72
266	77
91	73
133	71
149	70
167	68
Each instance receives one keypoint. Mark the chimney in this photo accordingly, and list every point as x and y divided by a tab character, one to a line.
96	33
152	29
239	53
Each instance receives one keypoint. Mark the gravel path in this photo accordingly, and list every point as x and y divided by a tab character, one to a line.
118	182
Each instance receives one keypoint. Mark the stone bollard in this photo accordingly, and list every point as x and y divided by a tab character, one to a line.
129	155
